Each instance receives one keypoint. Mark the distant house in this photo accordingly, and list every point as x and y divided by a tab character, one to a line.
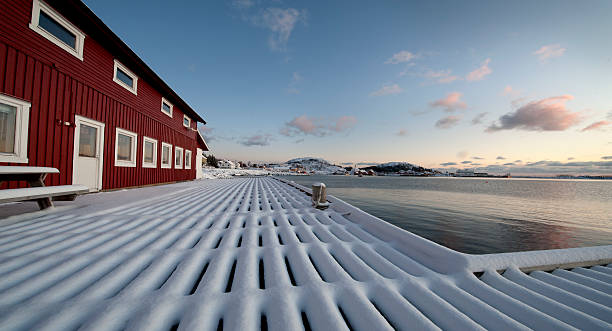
75	97
225	164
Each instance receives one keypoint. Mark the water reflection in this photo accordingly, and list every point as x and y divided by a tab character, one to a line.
485	216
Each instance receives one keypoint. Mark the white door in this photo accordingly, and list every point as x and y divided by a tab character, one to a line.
88	153
198	165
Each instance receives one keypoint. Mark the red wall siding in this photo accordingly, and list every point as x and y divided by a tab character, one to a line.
59	85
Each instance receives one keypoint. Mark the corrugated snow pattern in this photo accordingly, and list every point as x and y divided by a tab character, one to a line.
252	254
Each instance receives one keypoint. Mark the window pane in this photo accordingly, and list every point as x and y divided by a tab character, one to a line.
187	159
186	121
165	155
166	107
148	152
124	152
87	141
50	25
122	76
8	118
178	158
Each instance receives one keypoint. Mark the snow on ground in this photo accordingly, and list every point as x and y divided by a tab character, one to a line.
252	253
211	173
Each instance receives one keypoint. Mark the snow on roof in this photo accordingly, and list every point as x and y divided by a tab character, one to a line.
251	253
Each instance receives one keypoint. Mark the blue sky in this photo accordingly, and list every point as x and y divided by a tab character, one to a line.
437	83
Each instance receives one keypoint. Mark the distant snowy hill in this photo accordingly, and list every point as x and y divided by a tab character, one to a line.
397	167
313	164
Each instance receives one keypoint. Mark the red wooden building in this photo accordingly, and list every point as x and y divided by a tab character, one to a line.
75	97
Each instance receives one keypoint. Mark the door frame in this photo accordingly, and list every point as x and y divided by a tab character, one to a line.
77	131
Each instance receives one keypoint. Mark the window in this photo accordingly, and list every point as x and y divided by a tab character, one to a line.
166	156
186	121
88	136
178	158
149	152
187	159
124	77
14	120
51	25
166	107
125	148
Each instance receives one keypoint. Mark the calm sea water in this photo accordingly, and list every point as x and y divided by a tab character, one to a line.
474	215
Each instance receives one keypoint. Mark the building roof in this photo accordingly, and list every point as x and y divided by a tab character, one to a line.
78	13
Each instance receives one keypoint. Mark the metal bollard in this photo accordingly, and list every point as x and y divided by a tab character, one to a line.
319	196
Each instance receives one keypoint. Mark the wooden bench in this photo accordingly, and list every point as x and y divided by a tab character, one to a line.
35	177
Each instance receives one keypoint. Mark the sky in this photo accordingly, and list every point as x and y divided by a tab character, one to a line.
518	86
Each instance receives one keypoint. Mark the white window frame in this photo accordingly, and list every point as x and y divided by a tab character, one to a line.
176	149
187	165
133	89
145	164
22	120
122	163
164	100
170	159
37	7
189	119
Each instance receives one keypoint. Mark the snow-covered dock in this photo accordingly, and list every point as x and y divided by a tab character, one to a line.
251	254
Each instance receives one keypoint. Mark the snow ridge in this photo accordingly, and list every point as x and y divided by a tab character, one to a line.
245	253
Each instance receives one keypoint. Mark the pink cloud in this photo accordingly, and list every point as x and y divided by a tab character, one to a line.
447	122
549	51
401	57
450	103
548	114
441	76
597	125
344	123
304	125
480	73
387	90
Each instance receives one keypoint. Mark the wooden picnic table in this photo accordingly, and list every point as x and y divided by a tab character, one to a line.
35	177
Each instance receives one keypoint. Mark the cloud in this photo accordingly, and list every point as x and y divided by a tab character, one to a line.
207	132
344	123
447	122
500	158
510	91
570	158
387	90
518	161
509	164
450	103
480	73
304	125
256	140
242	4
462	154
441	76
477	158
401	57
597	125
295	79
606	157
402	133
478	119
548	114
466	162
549	51
446	164
281	23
